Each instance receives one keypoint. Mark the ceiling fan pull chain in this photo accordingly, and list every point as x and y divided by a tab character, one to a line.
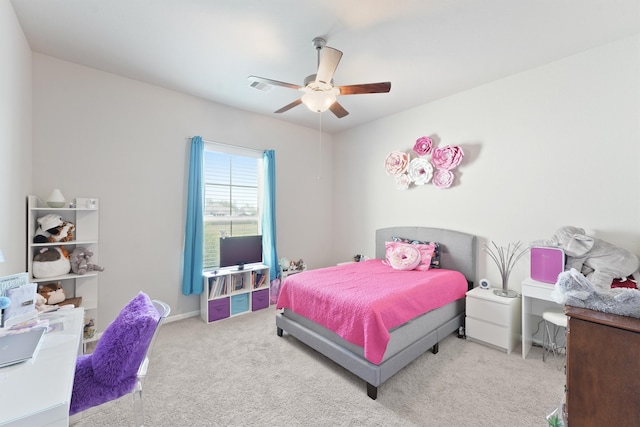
320	146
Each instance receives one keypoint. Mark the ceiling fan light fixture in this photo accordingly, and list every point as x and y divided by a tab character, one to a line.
319	101
319	92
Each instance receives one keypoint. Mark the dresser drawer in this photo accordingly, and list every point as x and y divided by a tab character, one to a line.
489	311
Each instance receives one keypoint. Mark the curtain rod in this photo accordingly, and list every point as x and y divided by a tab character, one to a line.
238	147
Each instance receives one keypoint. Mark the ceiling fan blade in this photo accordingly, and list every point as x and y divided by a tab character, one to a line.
338	110
382	87
254	81
289	106
329	59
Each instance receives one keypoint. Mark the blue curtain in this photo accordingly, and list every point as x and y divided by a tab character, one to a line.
192	281
269	214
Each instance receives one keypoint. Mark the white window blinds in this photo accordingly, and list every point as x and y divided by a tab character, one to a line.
232	199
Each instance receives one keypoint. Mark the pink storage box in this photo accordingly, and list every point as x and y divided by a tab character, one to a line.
546	263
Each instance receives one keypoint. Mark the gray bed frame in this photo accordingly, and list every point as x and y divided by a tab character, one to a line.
457	252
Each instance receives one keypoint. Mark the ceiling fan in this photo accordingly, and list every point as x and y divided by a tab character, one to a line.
319	92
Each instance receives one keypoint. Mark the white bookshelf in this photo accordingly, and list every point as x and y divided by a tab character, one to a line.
86	234
231	292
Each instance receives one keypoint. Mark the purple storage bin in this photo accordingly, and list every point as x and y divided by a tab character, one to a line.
260	299
218	309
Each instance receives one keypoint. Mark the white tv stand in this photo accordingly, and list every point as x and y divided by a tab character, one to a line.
230	292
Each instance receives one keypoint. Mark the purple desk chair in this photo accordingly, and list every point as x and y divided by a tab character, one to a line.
119	362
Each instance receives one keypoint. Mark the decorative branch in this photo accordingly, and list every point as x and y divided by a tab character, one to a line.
505	259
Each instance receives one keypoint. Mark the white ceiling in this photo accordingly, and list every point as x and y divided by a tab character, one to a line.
428	49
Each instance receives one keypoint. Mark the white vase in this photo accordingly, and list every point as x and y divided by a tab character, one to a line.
56	199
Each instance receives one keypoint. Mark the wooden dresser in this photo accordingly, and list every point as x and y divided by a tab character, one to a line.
603	369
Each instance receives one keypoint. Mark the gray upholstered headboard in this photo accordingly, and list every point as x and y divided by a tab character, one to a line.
457	249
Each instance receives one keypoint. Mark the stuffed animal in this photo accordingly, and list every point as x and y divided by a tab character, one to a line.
50	262
284	264
52	228
296	265
52	292
89	328
600	261
81	261
41	303
572	288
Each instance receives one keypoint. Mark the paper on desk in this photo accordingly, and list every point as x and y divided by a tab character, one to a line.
23	302
25	326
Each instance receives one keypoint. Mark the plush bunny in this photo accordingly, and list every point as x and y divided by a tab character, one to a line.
600	261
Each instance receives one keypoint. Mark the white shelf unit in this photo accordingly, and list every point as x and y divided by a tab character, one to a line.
231	292
86	234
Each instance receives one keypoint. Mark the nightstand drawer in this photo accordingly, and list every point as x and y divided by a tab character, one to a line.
489	311
488	333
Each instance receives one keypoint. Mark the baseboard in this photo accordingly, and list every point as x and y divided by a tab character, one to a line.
181	316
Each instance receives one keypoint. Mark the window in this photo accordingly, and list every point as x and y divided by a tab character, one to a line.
232	197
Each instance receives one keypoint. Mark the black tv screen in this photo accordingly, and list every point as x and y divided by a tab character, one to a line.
238	251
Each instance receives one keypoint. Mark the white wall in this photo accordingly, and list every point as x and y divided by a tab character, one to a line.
124	142
15	139
556	145
552	146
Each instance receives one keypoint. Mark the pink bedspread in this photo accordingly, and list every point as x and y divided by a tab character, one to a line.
362	301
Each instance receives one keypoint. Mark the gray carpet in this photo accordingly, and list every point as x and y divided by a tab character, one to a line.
238	372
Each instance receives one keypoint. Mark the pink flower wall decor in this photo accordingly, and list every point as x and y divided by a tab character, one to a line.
403	181
443	178
420	171
423	146
396	163
448	157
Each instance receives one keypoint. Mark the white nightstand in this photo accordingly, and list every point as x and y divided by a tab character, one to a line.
492	319
286	273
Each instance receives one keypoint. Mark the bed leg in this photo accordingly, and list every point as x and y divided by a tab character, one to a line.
372	391
435	348
279	331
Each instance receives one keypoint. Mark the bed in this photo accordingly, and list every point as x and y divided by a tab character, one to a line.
406	341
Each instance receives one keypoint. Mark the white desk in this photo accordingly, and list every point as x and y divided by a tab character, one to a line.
536	298
38	392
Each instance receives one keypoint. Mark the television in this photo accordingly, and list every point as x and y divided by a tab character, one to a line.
241	250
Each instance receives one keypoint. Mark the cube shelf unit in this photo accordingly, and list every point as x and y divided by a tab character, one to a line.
230	292
86	234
